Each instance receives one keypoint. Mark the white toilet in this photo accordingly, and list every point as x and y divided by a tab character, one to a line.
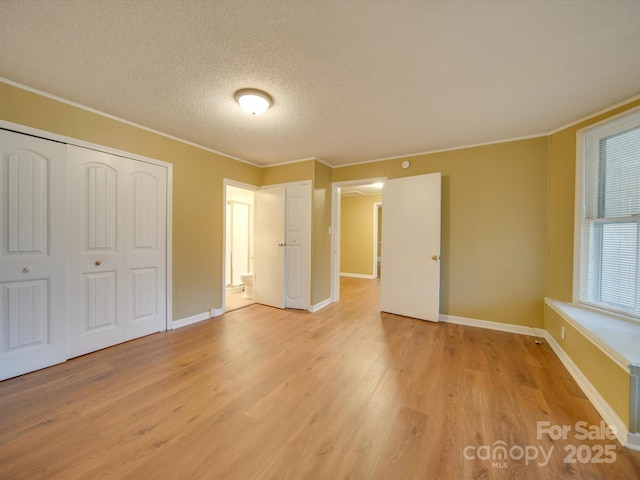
247	279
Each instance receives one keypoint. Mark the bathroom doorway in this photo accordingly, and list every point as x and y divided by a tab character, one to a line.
239	248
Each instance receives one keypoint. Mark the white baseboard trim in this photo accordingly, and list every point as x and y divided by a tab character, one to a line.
216	312
234	289
634	420
633	441
183	322
318	306
358	275
502	327
600	404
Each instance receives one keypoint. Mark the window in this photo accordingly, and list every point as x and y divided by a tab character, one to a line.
609	222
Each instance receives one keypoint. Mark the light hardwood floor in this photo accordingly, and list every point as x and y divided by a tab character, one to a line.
261	393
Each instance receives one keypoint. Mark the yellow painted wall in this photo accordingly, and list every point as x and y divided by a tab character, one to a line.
288	173
607	377
611	380
494	201
356	234
197	187
560	219
321	248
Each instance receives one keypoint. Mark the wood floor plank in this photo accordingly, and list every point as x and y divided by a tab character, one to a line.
261	393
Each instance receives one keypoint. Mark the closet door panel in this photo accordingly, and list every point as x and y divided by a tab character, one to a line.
25	313
99	297
27	203
100	227
145	198
95	225
32	254
118	230
144	248
81	268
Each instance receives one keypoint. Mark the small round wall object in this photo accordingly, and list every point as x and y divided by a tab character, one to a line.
406	164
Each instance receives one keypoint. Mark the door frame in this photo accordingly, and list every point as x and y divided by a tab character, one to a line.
246	186
121	153
336	205
376	251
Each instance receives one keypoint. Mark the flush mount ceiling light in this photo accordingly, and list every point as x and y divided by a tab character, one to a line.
253	101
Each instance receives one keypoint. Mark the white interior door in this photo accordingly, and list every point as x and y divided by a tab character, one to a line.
298	246
410	277
32	254
117	249
269	256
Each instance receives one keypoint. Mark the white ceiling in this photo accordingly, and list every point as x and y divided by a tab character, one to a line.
360	190
352	80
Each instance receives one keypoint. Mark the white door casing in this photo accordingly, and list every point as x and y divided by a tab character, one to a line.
410	280
117	249
32	254
269	252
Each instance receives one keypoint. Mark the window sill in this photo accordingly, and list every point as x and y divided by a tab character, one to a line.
618	338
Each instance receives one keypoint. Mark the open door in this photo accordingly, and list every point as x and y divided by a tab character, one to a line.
269	257
410	281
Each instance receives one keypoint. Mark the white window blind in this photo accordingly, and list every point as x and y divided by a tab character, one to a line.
609	267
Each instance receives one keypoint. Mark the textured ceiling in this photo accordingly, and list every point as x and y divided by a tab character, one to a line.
352	80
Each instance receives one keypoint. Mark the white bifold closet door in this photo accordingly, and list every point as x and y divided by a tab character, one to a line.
32	254
117	249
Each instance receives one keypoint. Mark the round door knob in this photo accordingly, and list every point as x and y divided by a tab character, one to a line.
26	269
434	258
98	263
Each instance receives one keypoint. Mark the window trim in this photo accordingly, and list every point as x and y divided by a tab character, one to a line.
615	124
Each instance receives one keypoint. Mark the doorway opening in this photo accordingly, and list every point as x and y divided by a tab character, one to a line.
238	246
356	228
